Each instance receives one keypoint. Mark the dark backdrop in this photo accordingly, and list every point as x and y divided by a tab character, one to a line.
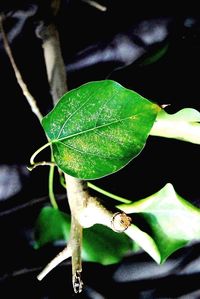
154	54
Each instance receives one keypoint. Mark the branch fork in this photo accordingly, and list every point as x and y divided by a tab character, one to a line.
85	209
118	222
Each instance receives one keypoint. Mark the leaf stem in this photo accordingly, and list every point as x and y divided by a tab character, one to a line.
32	162
62	179
100	190
51	179
111	195
42	163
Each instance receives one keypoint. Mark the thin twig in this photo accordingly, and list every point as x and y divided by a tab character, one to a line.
63	255
96	5
35	109
80	202
42	163
19	272
18	76
51	183
29	204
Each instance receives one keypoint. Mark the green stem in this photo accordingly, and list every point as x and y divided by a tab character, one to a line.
42	163
62	180
116	197
32	162
98	189
51	192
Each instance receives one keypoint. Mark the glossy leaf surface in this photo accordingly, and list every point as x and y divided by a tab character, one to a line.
98	128
173	221
183	125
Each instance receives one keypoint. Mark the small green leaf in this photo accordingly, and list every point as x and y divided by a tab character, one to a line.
98	128
173	221
154	56
100	244
144	241
51	225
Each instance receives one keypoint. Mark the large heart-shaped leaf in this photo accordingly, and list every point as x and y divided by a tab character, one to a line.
98	128
100	244
173	221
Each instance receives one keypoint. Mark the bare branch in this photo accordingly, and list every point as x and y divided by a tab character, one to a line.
76	245
63	255
96	5
18	76
85	210
42	163
55	66
58	85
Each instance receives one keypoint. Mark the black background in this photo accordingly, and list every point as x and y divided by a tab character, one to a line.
173	79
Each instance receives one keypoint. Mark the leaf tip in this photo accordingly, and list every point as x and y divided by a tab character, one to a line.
169	188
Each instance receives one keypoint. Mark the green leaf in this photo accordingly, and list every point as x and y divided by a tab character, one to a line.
144	241
100	244
182	125
154	56
51	225
98	128
173	221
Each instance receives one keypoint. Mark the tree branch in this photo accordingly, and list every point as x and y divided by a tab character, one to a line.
63	255
18	76
53	59
96	5
85	209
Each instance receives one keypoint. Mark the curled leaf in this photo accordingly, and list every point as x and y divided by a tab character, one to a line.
182	125
173	221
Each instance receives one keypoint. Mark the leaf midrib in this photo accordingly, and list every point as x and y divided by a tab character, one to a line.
94	128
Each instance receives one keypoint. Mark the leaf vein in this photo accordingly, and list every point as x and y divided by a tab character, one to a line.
74	113
93	128
88	153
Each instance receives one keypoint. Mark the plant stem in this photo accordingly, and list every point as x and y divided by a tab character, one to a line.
18	76
76	239
85	210
100	190
33	104
32	162
51	179
63	255
54	62
42	163
111	195
58	85
96	5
